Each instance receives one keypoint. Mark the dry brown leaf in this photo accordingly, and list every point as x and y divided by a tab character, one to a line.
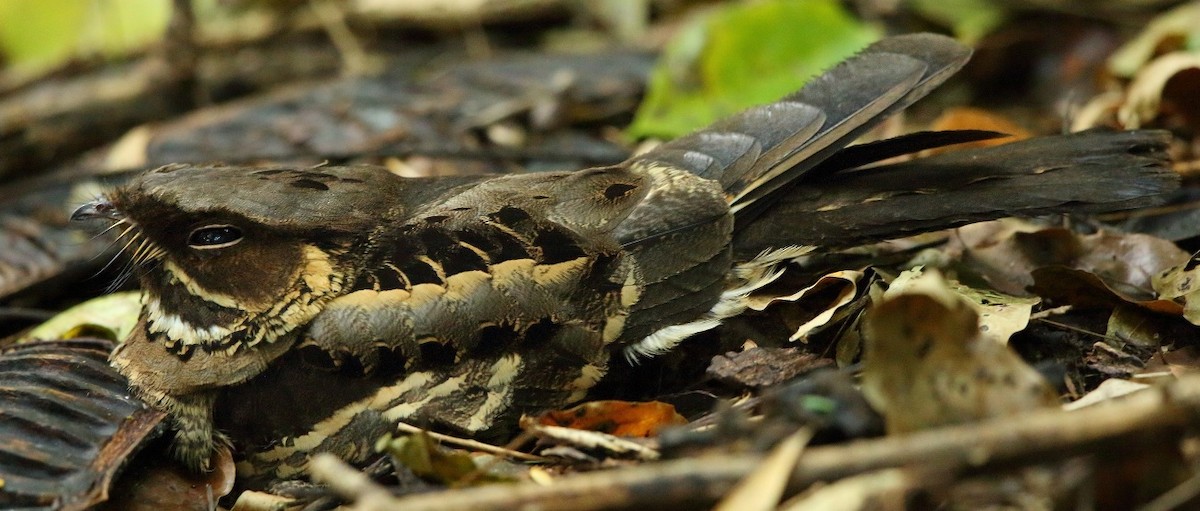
1169	31
990	249
1175	362
864	491
618	418
1101	110
1083	289
969	118
158	483
1006	252
1000	315
1168	84
849	345
1182	360
428	458
1137	326
1181	284
763	367
567	439
927	365
1108	389
1127	258
837	289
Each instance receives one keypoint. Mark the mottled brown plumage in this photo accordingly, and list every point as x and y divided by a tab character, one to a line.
463	301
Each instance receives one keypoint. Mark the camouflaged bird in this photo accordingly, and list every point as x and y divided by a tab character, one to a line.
461	302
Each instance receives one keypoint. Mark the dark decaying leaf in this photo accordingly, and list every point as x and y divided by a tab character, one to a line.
1177	220
439	116
68	424
1004	253
763	366
1084	289
159	483
38	242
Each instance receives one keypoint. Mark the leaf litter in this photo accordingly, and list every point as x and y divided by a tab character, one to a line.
951	357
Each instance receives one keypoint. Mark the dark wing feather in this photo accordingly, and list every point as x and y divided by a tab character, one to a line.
872	152
850	94
756	152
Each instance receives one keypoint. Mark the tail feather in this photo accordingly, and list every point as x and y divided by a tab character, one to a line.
943	56
1082	172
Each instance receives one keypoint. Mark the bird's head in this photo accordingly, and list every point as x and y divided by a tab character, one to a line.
229	257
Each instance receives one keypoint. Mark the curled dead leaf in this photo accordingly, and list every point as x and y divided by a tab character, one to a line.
1169	83
1169	31
618	418
829	295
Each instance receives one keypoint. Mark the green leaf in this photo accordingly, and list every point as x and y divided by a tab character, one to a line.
111	316
430	461
38	34
742	55
969	19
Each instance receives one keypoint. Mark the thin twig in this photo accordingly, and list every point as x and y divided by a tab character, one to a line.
701	481
1177	497
467	443
1076	329
346	480
26	314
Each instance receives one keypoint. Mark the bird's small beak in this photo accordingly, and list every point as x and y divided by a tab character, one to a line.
97	209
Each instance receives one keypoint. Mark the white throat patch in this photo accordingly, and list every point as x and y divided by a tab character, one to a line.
315	281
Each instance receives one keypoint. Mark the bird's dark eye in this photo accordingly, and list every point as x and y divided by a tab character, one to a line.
214	236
